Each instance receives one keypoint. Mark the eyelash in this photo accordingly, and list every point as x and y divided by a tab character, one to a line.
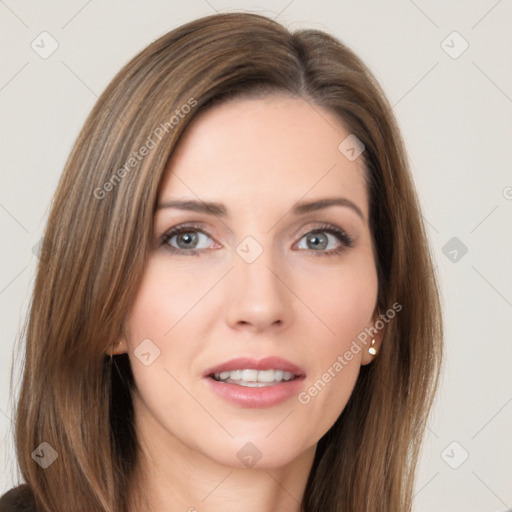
343	237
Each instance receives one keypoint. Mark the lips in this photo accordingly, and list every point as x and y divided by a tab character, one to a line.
267	363
255	394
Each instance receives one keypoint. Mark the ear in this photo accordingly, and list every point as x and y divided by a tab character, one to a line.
118	347
374	340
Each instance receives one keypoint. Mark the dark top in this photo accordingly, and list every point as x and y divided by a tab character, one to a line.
18	499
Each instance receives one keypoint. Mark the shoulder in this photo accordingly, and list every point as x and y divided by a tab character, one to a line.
18	499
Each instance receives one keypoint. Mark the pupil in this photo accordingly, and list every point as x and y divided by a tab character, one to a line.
317	240
188	237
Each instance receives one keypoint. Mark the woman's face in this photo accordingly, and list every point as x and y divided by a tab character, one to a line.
259	279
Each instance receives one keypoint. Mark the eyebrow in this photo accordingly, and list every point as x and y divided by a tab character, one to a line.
300	208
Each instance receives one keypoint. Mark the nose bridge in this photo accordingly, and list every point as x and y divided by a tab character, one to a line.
259	295
257	263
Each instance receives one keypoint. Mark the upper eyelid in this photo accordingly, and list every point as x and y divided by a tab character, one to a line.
186	225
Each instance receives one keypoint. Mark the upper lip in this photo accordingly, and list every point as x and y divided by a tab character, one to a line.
267	363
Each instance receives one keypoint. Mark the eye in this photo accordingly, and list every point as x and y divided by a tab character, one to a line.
319	239
187	238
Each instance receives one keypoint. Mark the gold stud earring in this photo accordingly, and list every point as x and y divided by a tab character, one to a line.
372	348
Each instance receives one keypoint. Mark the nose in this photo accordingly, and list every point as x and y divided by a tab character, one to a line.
259	295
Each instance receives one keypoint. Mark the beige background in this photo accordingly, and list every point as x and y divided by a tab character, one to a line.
455	114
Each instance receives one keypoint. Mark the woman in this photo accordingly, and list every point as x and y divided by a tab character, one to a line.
235	305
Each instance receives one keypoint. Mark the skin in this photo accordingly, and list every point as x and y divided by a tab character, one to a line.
258	157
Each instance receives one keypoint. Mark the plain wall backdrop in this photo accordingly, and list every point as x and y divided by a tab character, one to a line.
446	67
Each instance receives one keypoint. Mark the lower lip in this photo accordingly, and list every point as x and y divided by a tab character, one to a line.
256	398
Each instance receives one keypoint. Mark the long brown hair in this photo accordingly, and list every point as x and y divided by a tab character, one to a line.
78	400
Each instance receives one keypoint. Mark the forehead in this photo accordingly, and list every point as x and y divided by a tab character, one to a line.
264	151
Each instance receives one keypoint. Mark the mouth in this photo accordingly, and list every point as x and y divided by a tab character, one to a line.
255	383
250	372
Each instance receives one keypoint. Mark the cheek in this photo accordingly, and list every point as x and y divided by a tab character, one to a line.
345	306
330	384
342	301
164	297
161	345
167	320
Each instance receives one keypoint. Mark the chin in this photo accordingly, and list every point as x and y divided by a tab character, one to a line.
256	452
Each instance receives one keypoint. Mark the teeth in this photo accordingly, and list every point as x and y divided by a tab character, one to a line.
265	376
254	378
250	375
236	375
